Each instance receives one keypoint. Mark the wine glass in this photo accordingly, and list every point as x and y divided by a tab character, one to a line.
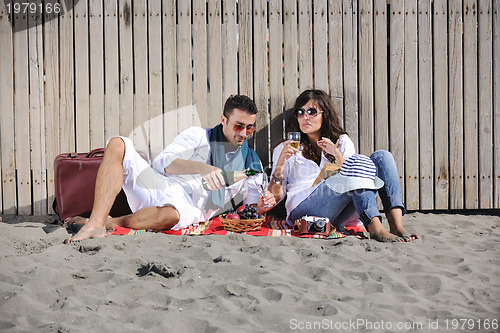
264	183
295	138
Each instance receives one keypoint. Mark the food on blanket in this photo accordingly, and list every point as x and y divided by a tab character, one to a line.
233	216
249	212
240	209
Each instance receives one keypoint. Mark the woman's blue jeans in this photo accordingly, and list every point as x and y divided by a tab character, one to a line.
341	208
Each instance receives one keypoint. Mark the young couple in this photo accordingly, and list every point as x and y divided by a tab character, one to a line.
170	195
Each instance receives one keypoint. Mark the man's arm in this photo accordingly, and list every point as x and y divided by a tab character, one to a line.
209	173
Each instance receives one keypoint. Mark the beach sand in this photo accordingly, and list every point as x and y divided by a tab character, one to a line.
240	283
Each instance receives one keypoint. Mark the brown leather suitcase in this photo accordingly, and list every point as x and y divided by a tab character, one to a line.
74	178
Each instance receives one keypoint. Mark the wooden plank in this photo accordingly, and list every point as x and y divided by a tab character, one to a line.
170	70
276	98
126	69
36	113
245	49
141	137
97	138
440	65
485	105
412	163
8	202
67	89
381	91
51	64
350	53
470	99
290	50
425	105
496	107
366	103
21	113
397	88
200	97
215	60
261	86
335	56
82	93
155	78
184	61
320	45
230	49
456	125
305	45
111	64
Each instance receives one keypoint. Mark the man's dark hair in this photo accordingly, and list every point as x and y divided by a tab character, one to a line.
241	102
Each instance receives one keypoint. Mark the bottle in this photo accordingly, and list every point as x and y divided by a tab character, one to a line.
231	177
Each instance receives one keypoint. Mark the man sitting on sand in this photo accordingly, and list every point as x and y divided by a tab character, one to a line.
170	194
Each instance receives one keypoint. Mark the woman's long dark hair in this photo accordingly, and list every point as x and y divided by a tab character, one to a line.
330	127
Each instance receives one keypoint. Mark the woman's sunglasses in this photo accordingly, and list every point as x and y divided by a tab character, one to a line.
311	112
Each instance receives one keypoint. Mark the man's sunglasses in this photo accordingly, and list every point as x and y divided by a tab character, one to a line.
311	112
239	128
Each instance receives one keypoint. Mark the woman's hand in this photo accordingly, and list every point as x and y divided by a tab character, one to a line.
332	148
287	152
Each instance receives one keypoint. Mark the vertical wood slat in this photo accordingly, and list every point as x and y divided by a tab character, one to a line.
381	104
36	114
485	105
245	49
396	90
261	81
366	104
456	125
320	15
335	56
169	70
51	64
290	49
126	99
412	162
496	107
470	100
200	95
8	202
215	60
276	72
82	112
21	109
305	45
141	137
425	84
96	74
350	54
155	79
66	64
230	49
440	70
184	62
112	84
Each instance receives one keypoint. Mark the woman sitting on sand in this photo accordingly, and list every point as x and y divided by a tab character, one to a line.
324	140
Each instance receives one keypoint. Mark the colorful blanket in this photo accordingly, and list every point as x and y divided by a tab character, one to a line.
270	227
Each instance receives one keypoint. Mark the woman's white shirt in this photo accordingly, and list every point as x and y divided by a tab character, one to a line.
299	172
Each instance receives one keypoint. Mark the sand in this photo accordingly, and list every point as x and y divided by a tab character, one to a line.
449	280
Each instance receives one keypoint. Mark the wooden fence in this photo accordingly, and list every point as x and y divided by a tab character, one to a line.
420	78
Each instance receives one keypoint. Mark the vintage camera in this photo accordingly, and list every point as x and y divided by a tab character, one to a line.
312	225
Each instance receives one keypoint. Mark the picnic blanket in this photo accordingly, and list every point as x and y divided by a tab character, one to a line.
270	227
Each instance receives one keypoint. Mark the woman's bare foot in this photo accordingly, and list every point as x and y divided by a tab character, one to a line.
405	235
379	233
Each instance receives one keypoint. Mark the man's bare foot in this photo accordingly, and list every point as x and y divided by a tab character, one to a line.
76	219
88	231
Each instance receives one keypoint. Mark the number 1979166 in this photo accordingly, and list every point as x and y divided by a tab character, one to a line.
33	8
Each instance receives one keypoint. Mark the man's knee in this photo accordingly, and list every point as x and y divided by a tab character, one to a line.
116	145
168	217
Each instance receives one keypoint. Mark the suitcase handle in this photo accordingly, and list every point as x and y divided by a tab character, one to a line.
98	152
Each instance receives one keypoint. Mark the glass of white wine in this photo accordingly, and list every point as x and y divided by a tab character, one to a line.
294	137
